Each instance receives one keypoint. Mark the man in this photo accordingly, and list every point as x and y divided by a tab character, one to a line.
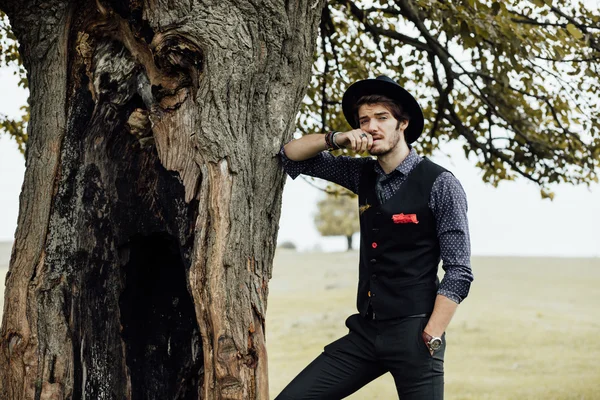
412	213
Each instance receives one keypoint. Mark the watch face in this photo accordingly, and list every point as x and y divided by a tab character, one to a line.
435	344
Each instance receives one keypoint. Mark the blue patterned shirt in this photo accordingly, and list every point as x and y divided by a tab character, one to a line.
448	203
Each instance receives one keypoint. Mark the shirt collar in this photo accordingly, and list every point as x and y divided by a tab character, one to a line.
405	167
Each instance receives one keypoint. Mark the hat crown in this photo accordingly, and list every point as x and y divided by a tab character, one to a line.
386	79
384	85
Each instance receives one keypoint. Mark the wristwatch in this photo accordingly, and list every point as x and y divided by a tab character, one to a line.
433	343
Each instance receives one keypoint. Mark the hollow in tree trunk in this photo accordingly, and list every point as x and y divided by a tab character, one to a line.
151	199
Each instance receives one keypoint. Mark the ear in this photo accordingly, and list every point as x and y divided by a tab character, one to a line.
403	125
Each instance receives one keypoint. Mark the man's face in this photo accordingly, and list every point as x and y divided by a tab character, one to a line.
377	120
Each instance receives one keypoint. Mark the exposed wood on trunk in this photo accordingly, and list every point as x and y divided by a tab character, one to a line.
152	196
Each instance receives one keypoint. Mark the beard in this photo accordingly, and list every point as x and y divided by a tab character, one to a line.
394	140
380	152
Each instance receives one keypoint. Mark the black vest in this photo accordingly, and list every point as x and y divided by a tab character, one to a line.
399	247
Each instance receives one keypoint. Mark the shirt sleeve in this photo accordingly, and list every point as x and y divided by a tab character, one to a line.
449	205
343	170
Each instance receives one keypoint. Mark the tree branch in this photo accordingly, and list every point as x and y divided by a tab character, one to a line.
524	19
582	27
376	31
389	10
466	133
440	51
572	60
442	100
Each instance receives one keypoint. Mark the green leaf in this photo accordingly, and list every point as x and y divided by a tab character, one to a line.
574	31
547	194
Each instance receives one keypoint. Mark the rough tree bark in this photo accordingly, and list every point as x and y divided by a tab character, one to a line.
152	195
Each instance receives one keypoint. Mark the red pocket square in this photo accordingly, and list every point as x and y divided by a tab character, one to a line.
405	219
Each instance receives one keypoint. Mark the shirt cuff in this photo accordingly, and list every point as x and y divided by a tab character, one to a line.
292	168
450	295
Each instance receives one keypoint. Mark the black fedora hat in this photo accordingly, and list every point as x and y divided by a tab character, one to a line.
387	87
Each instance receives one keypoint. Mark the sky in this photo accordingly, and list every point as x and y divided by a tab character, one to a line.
511	220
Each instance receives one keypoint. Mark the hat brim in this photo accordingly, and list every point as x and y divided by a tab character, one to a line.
393	91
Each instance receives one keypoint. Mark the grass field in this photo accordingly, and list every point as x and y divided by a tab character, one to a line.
530	328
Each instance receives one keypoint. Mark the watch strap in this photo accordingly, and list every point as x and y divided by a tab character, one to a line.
426	338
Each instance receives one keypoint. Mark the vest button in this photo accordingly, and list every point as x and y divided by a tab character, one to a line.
374	245
374	276
373	260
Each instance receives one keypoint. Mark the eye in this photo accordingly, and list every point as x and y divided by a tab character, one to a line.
363	121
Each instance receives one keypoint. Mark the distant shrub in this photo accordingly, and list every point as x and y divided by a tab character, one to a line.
287	245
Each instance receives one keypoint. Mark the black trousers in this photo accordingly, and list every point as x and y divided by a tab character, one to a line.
369	350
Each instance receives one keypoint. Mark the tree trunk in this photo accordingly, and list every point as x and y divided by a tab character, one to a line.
152	194
349	239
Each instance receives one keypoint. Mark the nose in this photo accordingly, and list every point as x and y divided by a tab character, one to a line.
372	125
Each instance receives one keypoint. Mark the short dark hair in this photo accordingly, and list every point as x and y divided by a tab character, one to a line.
396	109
